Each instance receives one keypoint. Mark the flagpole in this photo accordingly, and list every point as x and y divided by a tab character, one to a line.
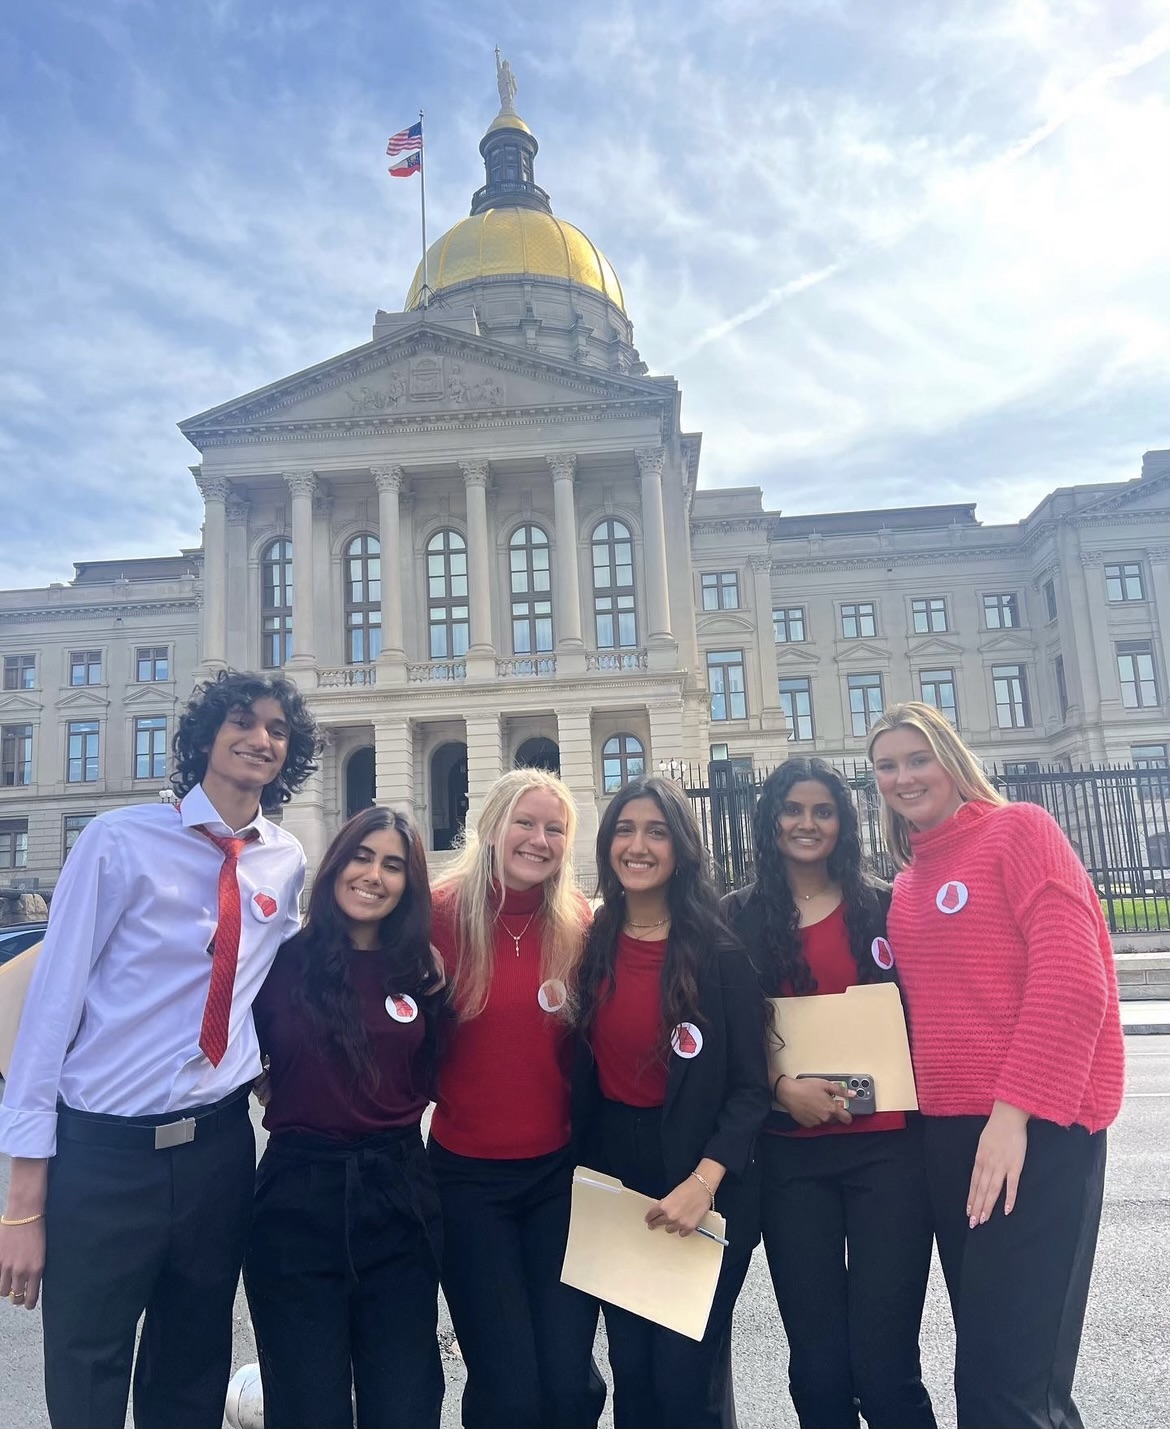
425	295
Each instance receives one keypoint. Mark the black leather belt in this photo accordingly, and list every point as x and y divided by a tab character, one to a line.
152	1133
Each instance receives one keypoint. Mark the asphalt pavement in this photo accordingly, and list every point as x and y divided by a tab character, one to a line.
1122	1382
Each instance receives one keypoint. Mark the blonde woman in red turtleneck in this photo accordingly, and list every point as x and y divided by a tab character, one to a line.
510	923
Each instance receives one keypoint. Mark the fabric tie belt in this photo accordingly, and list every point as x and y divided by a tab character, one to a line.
152	1133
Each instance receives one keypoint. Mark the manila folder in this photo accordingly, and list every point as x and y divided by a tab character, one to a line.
859	1031
614	1255
15	977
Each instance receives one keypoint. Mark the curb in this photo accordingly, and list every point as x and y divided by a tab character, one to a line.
1146	1029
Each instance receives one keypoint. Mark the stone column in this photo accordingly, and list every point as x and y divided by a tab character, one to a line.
568	581
1159	559
481	652
1083	635
771	713
394	763
575	737
215	491
303	487
666	736
305	818
650	463
484	760
240	641
388	480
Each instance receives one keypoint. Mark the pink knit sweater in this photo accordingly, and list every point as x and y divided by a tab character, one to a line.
1007	967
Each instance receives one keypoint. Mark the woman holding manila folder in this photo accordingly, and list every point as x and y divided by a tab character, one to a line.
1007	967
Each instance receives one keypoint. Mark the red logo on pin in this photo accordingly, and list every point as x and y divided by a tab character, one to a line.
264	905
951	897
402	1007
883	954
687	1040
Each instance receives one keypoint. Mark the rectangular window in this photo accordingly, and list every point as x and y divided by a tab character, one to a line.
74	823
796	701
1061	686
788	625
82	737
20	672
1022	788
859	620
15	755
85	667
865	702
1124	581
1135	667
720	590
725	679
152	662
1050	599
1151	756
150	747
614	622
929	614
1011	697
938	689
13	843
1001	612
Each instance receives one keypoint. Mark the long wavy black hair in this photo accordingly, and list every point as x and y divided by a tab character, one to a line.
324	988
210	705
697	931
769	923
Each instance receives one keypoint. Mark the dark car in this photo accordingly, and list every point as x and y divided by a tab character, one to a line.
15	937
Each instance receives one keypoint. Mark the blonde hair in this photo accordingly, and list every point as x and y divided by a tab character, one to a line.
950	751
479	894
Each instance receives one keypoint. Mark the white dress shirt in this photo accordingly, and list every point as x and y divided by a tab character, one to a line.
112	1019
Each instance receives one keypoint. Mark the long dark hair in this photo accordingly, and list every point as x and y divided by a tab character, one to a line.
325	988
210	705
769	922
697	932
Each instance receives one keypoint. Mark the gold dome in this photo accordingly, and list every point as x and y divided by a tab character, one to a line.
515	242
507	121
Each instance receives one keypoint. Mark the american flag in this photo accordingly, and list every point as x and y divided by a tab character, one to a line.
406	139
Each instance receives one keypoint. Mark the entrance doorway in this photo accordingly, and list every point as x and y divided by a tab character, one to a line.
360	790
539	753
448	794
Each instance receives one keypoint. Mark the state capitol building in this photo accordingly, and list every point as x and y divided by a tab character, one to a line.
480	539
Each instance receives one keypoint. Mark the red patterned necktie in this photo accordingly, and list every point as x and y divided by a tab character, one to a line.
217	1012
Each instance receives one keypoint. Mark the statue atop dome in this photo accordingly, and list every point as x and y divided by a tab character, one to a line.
506	84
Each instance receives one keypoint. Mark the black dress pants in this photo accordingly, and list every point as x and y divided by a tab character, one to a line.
1018	1284
661	1379
526	1338
847	1232
130	1229
342	1278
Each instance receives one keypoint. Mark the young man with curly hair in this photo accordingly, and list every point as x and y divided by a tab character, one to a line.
126	1107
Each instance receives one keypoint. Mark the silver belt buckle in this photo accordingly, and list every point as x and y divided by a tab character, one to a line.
174	1133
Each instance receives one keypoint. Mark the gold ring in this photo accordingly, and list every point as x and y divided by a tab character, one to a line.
16	1296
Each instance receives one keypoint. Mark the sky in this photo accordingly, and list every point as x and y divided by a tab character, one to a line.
894	251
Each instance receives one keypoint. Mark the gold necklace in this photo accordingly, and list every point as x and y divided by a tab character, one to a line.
820	893
517	936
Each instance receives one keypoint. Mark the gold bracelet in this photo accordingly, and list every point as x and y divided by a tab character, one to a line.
706	1185
22	1220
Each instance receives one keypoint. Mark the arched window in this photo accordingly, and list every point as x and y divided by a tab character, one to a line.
447	613
276	573
363	600
614	617
622	759
532	627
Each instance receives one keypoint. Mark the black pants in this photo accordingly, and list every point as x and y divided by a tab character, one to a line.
661	1379
342	1278
1018	1284
526	1338
852	1323
130	1230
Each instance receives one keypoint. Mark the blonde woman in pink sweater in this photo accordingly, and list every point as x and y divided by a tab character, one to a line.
1007	968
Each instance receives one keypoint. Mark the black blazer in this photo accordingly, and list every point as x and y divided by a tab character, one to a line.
716	1101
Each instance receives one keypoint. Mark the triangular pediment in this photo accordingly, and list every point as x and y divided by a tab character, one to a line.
796	655
13	702
1149	493
931	645
83	699
862	652
150	695
415	375
1006	642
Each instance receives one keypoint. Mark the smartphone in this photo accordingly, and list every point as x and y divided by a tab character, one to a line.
860	1105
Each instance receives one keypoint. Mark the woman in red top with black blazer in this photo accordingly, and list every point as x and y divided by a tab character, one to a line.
846	1218
670	1086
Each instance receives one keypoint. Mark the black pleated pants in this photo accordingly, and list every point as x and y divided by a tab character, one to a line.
342	1278
1019	1284
130	1229
661	1379
526	1338
852	1324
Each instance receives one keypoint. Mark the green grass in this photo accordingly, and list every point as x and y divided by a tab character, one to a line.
1138	915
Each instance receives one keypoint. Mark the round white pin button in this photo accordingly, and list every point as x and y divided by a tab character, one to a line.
402	1007
883	954
552	995
687	1040
264	905
951	897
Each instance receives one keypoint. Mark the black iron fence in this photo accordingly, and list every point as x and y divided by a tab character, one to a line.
1117	819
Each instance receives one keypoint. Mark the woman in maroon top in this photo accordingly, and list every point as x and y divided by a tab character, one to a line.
846	1222
342	1271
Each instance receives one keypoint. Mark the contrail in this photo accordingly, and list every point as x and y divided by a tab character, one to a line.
1128	61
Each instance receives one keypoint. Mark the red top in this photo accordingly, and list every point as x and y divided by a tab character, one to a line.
627	1028
503	1087
1008	970
825	946
313	1088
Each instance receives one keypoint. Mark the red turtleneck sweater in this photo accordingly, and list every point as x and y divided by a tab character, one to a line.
503	1086
627	1027
1007	966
